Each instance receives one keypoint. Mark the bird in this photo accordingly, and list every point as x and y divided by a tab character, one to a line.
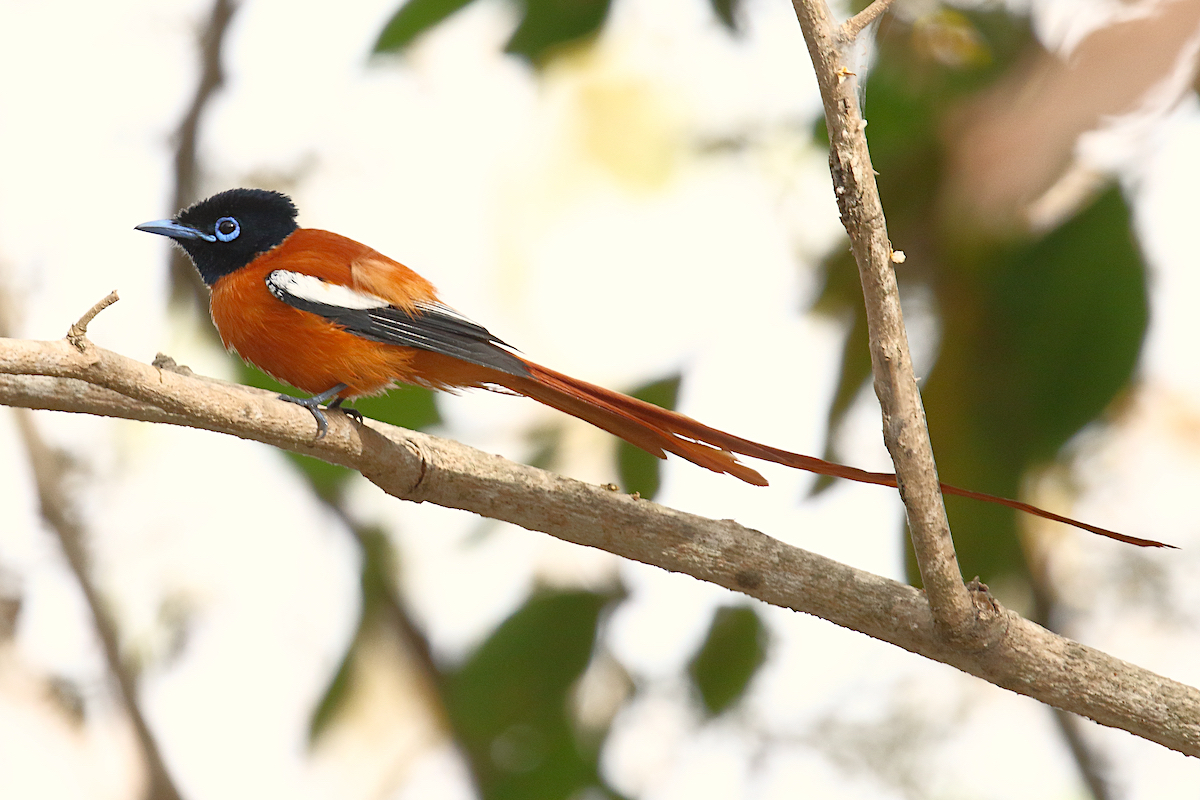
339	320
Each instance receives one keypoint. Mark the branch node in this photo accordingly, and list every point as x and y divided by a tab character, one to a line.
985	627
167	364
982	596
77	335
419	490
852	27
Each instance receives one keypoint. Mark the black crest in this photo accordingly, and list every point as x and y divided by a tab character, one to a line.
228	230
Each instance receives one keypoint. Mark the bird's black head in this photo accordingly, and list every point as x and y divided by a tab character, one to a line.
228	230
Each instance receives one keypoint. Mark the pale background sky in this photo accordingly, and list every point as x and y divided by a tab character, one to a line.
575	218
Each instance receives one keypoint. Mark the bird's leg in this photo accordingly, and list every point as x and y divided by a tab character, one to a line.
313	404
352	413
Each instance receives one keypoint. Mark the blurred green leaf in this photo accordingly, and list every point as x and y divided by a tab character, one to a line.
726	11
508	704
406	406
546	447
950	37
412	407
1064	318
1043	335
736	646
411	20
547	25
327	480
639	471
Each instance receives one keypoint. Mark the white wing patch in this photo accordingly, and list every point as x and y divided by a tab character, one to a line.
427	325
315	290
442	310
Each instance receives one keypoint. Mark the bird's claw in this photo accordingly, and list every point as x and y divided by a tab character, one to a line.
313	404
352	413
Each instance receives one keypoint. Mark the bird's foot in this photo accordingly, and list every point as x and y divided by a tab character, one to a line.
313	404
352	413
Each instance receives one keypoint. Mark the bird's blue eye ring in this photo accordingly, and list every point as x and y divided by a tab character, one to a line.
227	229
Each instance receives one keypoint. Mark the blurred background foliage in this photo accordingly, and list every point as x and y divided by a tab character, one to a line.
545	26
1039	330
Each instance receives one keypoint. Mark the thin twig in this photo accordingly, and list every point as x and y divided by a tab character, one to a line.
1020	656
904	428
77	335
852	27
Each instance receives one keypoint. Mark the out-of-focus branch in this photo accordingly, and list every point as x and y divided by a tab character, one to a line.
960	614
50	472
1012	156
185	281
59	511
1087	759
414	638
1021	656
384	605
1093	767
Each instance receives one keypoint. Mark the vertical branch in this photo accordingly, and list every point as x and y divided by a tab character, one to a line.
185	282
904	428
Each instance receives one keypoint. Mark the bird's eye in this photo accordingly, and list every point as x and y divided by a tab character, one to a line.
227	229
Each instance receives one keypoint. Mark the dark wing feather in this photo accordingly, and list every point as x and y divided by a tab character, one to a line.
430	326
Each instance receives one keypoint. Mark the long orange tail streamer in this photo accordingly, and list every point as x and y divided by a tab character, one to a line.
659	431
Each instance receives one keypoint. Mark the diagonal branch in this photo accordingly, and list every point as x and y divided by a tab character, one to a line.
959	613
1019	656
61	515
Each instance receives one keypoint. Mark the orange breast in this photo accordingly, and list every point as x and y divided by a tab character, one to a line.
301	348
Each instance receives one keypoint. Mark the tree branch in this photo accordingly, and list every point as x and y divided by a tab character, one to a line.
959	614
1020	656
